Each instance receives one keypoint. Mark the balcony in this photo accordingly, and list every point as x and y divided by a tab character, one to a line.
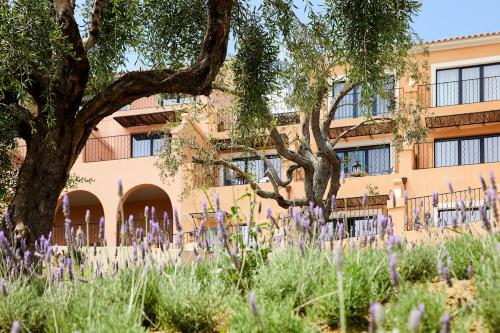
122	147
283	114
445	209
457	151
459	92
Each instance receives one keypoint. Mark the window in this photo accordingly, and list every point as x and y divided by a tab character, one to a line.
125	107
465	151
174	99
374	160
355	226
147	144
472	214
467	85
254	166
351	107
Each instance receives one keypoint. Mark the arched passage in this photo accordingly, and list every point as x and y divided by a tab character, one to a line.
79	202
138	197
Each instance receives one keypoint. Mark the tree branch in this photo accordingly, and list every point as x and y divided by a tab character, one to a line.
287	153
365	122
272	173
333	108
95	26
195	80
275	195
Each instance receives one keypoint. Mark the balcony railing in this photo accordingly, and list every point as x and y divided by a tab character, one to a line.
460	92
352	107
444	209
281	111
58	233
359	220
119	147
458	151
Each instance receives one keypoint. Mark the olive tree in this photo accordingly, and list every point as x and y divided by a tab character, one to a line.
362	43
59	78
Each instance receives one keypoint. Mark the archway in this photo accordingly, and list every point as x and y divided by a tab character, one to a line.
137	198
79	202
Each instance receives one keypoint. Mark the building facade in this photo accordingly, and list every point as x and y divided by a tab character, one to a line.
463	117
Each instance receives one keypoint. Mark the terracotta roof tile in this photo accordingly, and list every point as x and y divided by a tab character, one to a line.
486	34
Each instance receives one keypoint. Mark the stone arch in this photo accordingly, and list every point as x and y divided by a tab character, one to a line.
137	198
79	202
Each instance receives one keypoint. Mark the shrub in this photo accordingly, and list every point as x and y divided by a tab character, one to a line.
25	304
464	251
188	304
273	316
290	275
366	280
409	298
104	305
488	285
418	263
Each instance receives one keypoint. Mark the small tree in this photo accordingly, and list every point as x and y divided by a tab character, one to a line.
56	85
368	41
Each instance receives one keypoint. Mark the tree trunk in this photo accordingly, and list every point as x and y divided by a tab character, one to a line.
41	179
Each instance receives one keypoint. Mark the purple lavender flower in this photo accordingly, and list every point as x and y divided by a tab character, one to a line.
146	213
338	260
483	182
393	270
65	206
393	199
101	230
415	318
365	199
435	199
3	288
405	197
484	217
492	180
470	271
381	225
252	304
333	202
217	202
120	188
177	222
16	327
87	216
394	241
341	232
446	323
301	247
376	317
69	264
153	213
450	187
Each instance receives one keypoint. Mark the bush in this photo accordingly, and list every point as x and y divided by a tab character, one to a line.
289	275
410	297
464	251
366	280
107	305
488	285
273	316
188	304
25	304
418	263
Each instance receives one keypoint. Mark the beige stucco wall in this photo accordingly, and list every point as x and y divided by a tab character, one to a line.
139	171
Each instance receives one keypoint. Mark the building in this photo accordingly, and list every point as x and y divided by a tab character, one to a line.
463	100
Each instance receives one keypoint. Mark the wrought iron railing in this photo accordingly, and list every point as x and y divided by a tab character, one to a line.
351	106
444	209
457	151
359	219
118	147
58	233
460	92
